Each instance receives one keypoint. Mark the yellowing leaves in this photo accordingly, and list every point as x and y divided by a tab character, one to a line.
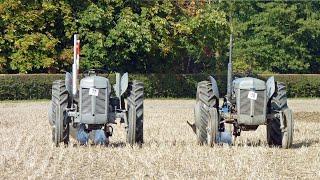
33	51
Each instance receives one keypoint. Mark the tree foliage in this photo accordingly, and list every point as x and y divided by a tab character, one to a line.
160	36
276	37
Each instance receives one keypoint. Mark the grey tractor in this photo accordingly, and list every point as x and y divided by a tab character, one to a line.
95	105
249	103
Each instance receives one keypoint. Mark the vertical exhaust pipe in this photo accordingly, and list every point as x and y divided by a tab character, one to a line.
75	65
229	88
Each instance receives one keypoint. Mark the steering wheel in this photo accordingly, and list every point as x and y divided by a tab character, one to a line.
95	71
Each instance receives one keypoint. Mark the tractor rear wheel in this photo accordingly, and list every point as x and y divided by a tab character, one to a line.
59	118
135	113
277	136
206	114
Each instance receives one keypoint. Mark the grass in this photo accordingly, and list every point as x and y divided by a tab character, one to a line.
170	150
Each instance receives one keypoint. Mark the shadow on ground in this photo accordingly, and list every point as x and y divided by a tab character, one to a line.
258	143
306	143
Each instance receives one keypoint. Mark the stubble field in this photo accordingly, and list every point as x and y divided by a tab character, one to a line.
170	150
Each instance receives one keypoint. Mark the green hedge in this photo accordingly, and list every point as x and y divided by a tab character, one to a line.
38	86
299	85
17	87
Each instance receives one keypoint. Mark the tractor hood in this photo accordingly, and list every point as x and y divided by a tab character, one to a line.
249	83
94	82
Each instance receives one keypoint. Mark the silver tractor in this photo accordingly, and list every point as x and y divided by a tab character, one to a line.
95	105
249	102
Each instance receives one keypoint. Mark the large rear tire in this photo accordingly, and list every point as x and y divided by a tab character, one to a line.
135	113
277	136
59	118
206	114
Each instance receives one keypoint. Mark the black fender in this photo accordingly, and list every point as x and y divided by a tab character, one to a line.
271	87
215	88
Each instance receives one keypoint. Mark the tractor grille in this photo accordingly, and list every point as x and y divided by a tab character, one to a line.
259	103
100	102
86	101
245	104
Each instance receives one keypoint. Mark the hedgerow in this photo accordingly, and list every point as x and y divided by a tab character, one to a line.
38	86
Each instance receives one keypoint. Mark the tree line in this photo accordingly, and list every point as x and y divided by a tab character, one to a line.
160	36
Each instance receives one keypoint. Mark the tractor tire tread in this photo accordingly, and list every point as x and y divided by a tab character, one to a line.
207	100
135	99
278	103
60	98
